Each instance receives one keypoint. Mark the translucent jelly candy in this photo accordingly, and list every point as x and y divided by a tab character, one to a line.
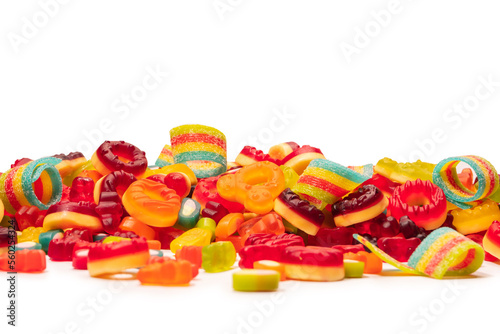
423	202
255	186
250	155
365	203
313	263
402	172
152	203
282	240
476	219
202	148
325	182
252	253
179	182
256	280
214	210
301	157
193	237
26	261
228	225
298	212
190	253
218	257
491	241
115	257
31	234
353	268
372	264
291	176
409	229
82	189
270	223
175	168
167	234
45	237
479	239
66	215
271	265
61	249
206	191
27	216
328	237
399	248
107	193
171	272
114	156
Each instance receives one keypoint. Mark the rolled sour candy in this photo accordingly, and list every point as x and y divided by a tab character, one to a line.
36	183
444	252
446	177
166	158
325	182
200	147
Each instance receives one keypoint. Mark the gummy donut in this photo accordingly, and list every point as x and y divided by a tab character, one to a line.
200	147
118	155
107	192
166	158
445	176
325	182
298	212
423	202
444	252
365	203
255	186
36	183
152	203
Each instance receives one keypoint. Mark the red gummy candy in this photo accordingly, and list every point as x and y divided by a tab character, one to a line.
26	261
82	189
398	247
27	216
166	235
62	249
206	191
328	237
250	254
214	210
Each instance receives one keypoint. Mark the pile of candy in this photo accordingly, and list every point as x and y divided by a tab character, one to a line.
287	214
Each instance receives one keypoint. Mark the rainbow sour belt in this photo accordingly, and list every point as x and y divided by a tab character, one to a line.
36	183
443	252
445	176
325	182
201	147
165	158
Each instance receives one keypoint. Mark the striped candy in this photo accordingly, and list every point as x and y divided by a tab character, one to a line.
166	158
366	170
443	252
325	182
201	147
446	177
35	183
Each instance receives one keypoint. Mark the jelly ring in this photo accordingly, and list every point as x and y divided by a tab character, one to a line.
422	201
152	203
325	182
202	148
36	183
255	186
118	155
446	177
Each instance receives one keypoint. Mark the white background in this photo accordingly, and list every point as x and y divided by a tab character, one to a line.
236	67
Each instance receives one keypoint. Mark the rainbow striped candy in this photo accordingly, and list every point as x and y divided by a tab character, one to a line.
446	177
166	158
36	183
366	170
443	252
201	147
325	182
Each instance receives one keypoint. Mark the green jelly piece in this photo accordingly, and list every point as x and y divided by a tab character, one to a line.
217	257
353	268
189	213
207	224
